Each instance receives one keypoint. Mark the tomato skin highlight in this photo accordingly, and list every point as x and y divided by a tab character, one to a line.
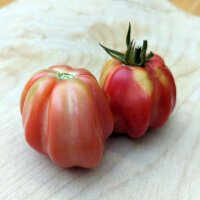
139	97
67	119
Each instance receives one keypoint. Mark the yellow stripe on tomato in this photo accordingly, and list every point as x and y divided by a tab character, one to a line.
106	69
142	78
161	76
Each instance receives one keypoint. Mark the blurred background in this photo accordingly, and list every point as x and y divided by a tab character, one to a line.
191	6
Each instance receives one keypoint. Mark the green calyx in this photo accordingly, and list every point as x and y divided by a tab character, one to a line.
63	76
134	55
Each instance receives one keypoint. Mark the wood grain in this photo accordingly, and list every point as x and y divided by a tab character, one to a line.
164	164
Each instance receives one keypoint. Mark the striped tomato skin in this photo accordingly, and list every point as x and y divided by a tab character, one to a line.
139	97
66	116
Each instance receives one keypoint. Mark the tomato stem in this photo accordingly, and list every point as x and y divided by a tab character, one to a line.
136	56
63	76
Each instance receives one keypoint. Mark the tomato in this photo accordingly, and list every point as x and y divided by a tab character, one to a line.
140	89
66	116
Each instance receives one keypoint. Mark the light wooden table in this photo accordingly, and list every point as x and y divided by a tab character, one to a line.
165	163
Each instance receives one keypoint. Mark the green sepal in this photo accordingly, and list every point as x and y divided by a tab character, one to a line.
131	54
134	55
115	54
151	54
128	36
127	55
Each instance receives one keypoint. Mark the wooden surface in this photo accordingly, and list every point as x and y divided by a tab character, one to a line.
164	164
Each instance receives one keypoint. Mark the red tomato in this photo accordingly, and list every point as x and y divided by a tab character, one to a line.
139	88
65	116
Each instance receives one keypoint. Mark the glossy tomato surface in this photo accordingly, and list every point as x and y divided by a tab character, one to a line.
66	116
139	97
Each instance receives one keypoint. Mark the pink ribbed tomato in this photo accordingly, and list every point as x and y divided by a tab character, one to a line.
140	89
65	116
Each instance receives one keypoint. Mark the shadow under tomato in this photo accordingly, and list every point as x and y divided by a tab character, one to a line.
151	145
120	152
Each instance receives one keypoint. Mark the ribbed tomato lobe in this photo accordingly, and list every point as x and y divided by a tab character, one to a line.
66	116
139	88
130	101
139	97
